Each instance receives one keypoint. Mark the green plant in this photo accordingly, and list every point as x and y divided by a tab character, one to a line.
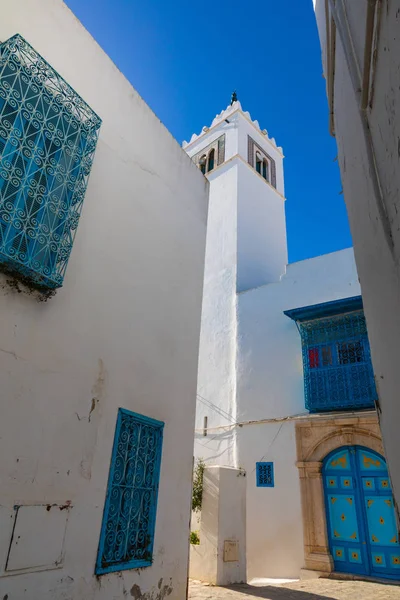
197	495
194	538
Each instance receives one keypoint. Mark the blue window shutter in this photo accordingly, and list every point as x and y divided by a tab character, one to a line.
48	137
265	474
127	533
338	373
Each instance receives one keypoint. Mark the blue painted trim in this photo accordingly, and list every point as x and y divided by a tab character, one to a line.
134	564
258	474
326	309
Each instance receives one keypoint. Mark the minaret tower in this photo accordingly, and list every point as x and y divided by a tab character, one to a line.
246	248
244	168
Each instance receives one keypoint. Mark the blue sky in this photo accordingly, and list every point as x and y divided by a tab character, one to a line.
185	58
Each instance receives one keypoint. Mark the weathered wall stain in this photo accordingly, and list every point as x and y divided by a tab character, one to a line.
98	387
97	391
93	406
160	593
15	283
64	588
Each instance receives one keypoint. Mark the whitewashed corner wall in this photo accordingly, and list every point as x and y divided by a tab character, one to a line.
246	247
270	385
220	558
368	145
122	332
217	356
261	231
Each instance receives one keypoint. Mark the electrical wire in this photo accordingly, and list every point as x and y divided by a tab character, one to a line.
297	417
268	449
216	409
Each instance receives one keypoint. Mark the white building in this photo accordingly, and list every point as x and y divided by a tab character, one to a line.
256	365
360	54
79	516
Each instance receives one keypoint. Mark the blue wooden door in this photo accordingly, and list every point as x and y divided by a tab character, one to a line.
361	522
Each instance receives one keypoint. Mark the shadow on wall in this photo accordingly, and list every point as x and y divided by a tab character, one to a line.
220	558
218	439
275	593
209	511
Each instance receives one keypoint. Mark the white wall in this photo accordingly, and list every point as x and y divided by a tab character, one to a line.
216	376
261	230
274	517
223	519
122	332
246	247
270	385
374	214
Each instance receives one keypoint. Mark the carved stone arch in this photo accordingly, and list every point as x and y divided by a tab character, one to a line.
315	438
345	436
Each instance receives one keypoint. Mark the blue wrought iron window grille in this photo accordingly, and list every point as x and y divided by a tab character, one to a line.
338	373
265	474
127	533
48	137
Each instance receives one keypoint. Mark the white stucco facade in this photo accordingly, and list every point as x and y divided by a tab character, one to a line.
251	384
245	249
360	55
270	385
123	331
220	558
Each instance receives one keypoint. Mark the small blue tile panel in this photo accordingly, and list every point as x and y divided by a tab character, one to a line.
265	474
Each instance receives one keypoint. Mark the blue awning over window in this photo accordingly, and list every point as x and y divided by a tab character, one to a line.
326	309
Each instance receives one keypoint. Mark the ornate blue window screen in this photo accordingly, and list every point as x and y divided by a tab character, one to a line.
338	372
48	137
127	534
265	474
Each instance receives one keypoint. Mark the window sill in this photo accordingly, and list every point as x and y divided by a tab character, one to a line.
127	566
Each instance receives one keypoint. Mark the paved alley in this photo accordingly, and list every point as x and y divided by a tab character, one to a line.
316	589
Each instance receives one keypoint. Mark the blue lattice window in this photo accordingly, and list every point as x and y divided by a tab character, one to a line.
265	474
127	534
338	372
48	137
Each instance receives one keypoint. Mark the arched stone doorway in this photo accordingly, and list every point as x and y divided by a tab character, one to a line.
316	437
361	522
